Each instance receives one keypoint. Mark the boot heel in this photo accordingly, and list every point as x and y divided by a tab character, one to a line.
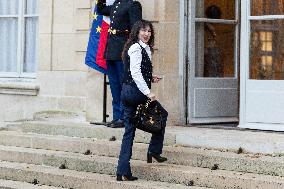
125	178
119	177
149	158
157	157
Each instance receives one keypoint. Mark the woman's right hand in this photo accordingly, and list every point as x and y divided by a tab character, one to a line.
152	96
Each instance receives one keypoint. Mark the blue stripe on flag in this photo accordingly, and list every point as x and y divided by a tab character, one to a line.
93	43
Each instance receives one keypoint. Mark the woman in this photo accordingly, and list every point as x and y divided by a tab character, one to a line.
136	90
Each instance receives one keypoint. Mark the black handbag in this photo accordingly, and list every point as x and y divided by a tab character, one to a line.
148	117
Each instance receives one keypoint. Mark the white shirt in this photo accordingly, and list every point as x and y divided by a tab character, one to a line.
109	2
135	53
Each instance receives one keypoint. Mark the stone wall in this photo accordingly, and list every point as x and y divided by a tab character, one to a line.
62	42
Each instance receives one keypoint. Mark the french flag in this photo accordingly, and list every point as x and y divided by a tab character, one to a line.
97	40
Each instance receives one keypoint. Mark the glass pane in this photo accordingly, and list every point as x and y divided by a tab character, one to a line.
31	7
8	44
215	50
30	45
267	50
215	9
9	7
267	7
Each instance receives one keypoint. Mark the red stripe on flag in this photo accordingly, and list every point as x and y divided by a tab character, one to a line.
102	44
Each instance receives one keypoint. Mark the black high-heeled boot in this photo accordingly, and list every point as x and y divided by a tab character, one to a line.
125	178
157	157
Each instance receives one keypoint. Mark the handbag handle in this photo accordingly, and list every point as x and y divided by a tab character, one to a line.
148	102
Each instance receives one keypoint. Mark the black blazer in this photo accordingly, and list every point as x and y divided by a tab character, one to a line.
123	14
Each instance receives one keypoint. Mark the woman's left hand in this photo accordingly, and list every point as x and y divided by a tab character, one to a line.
156	78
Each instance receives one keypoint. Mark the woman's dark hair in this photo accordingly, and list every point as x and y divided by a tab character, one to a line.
133	36
213	12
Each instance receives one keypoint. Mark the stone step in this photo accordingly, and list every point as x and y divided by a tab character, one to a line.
197	157
10	184
84	131
73	179
232	140
177	174
60	116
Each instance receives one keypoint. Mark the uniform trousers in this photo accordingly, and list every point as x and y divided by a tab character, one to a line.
131	98
115	71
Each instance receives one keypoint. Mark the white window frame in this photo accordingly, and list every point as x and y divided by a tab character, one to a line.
21	16
234	22
248	25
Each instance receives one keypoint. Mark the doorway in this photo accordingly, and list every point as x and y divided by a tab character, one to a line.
213	54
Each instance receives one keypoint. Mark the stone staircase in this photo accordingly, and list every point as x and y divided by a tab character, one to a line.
50	154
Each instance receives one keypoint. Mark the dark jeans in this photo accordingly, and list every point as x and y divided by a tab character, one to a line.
131	98
115	70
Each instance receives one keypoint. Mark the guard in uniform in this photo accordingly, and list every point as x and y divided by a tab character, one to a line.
123	14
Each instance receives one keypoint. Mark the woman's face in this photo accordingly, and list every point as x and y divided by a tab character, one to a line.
145	34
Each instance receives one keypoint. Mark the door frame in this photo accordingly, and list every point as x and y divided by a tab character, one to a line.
244	59
183	61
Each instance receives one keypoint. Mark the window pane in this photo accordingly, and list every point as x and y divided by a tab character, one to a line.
8	44
215	9
267	7
9	7
31	7
215	50
30	45
267	50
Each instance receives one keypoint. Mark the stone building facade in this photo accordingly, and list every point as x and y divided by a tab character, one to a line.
221	60
62	82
